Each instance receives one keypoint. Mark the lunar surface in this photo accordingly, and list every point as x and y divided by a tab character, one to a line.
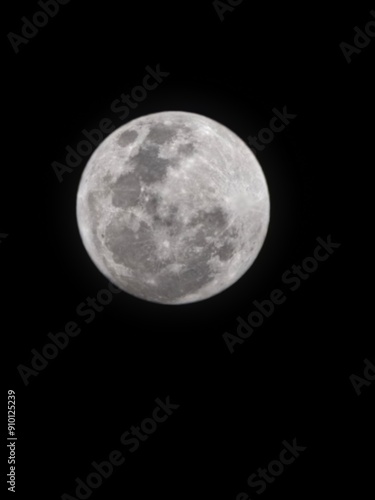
173	207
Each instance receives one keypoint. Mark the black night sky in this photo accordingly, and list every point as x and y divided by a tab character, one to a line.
214	402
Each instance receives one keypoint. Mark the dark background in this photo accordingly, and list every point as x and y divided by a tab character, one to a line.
291	378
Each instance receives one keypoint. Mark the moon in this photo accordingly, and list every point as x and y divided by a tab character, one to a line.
173	207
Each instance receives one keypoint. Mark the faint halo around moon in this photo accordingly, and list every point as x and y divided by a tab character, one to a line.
173	207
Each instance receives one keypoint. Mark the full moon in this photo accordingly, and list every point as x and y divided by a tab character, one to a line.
173	207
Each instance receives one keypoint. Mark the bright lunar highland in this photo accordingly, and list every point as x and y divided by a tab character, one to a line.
173	207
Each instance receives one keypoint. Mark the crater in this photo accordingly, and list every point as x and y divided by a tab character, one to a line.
174	285
166	216
226	251
152	204
215	219
149	166
170	218
91	202
160	134
227	247
186	149
197	240
93	213
127	137
133	249
126	190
